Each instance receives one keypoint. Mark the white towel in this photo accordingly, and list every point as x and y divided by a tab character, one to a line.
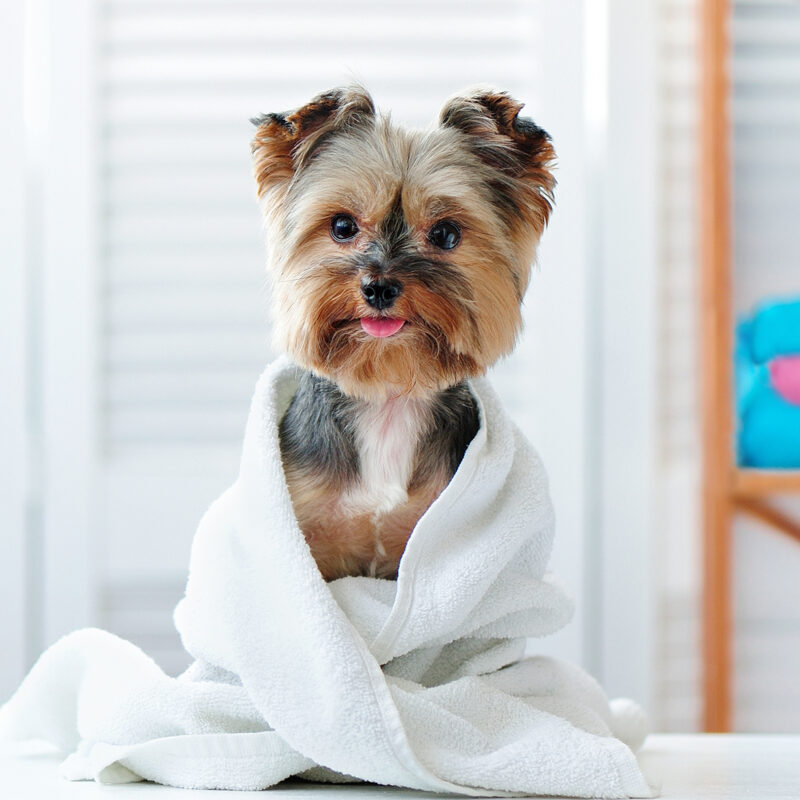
418	683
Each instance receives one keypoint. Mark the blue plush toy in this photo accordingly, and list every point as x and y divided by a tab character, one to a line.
767	381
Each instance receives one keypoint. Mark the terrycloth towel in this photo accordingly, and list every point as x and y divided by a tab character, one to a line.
418	683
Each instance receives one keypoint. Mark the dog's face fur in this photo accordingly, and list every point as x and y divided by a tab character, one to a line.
449	218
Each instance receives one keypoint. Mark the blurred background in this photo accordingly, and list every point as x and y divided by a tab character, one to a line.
133	300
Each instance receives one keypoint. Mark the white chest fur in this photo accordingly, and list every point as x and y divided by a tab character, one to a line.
387	435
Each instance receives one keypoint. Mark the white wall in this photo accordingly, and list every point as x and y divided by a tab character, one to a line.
14	353
626	287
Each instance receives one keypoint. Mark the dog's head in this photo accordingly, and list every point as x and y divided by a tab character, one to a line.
400	258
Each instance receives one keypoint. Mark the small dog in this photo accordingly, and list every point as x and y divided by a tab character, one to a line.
400	259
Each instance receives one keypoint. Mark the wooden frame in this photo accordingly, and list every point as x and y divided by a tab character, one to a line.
726	489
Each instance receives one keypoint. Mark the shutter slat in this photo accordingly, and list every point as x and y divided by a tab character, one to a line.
184	294
183	250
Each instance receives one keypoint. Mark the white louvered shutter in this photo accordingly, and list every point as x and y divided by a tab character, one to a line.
678	631
183	306
765	110
766	239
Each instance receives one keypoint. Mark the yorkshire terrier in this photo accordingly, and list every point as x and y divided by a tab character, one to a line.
399	262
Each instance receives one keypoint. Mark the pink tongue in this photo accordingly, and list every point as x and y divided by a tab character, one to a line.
381	327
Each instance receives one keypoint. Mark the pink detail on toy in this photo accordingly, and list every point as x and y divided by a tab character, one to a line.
784	374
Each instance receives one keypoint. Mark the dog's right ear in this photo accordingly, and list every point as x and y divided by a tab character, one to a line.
284	143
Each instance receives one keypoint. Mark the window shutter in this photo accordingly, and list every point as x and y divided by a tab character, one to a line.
766	186
765	112
678	656
183	293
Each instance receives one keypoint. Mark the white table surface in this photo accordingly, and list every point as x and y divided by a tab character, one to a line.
688	767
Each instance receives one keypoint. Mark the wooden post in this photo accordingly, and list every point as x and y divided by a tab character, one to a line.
716	329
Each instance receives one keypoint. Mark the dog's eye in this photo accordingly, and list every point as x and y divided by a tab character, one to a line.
444	234
343	227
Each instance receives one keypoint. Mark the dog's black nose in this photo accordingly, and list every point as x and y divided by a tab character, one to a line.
380	293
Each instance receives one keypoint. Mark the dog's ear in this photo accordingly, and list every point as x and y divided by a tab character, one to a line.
284	143
516	147
503	139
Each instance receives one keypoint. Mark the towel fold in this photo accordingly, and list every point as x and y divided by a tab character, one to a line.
418	682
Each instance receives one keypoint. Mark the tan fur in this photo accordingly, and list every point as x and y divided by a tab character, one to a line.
362	543
480	166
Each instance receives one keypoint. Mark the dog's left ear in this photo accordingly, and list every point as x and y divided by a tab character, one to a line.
284	143
515	146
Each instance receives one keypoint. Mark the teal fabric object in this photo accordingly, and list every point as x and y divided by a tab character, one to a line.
768	434
775	329
769	431
749	376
